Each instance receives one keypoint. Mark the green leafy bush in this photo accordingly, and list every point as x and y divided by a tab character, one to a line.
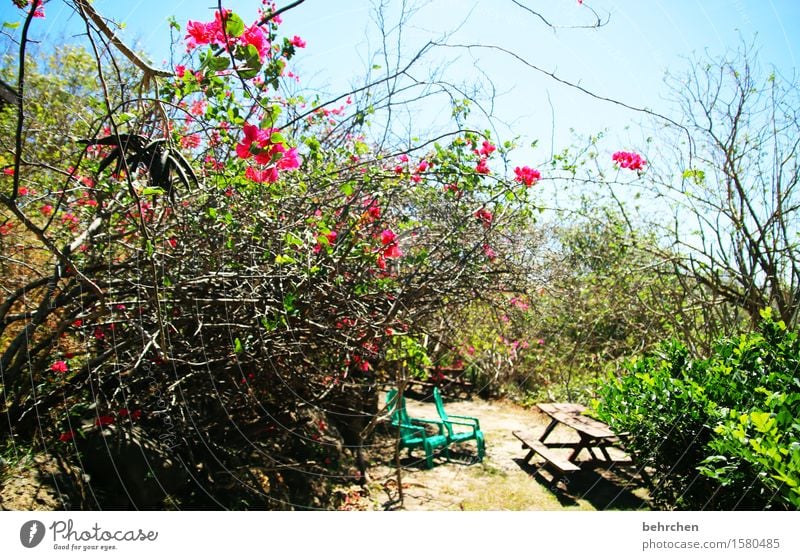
717	433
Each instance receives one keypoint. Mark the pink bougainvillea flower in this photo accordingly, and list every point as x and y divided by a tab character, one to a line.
191	141
403	158
629	160
198	108
211	33
373	211
180	70
38	8
46	210
67	436
484	216
268	175
71	220
199	33
106	420
392	251
255	35
388	236
289	160
526	175
332	237
6	228
257	143
423	166
491	255
254	139
486	149
59	367
482	167
133	414
298	42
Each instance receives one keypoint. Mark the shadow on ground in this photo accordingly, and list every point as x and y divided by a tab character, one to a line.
603	488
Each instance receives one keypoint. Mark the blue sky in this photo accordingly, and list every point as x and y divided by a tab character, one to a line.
624	59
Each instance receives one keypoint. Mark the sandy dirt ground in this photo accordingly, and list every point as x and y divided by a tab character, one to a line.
503	481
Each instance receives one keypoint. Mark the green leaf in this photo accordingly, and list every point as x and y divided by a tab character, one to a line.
237	346
218	63
271	115
122	118
248	73
152	191
288	303
250	55
284	259
696	175
762	421
293	239
10	24
269	324
234	26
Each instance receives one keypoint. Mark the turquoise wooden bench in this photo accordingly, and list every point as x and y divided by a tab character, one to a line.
456	435
412	434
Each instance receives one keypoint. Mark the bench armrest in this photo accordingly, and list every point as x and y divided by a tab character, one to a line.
412	427
439	423
470	419
472	425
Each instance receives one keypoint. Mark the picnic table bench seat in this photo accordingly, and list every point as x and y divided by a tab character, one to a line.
536	447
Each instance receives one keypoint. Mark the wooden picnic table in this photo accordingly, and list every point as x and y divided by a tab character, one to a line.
594	436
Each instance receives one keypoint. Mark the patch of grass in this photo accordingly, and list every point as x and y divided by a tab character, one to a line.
493	489
14	458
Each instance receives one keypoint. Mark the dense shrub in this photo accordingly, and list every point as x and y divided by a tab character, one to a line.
717	433
225	275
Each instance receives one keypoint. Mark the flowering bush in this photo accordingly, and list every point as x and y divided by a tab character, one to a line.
242	259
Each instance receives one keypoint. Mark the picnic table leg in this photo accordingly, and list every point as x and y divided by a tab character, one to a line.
585	443
529	456
578	448
553	424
